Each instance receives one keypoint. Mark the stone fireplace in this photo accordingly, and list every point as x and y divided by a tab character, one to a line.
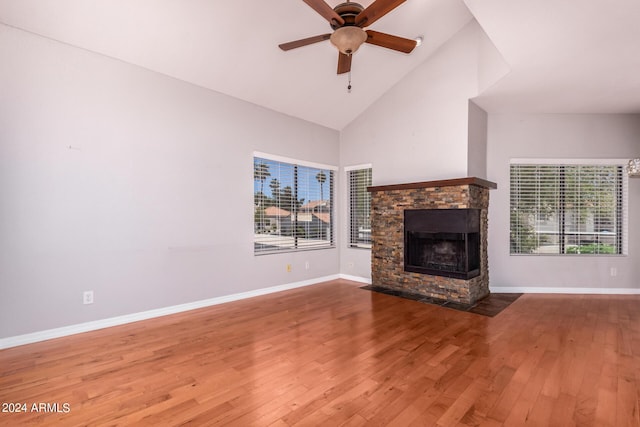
430	238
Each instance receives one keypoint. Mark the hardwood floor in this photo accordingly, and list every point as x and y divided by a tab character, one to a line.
333	354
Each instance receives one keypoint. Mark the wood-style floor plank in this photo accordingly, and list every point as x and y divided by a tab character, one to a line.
333	354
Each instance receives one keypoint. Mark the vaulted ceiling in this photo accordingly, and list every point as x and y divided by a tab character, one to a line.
564	56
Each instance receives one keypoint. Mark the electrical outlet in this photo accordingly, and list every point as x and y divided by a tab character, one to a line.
87	297
306	265
614	271
288	268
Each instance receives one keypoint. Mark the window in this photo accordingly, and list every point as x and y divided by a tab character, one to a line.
359	178
567	208
293	205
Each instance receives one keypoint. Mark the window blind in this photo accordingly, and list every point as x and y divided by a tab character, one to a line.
293	206
574	209
359	207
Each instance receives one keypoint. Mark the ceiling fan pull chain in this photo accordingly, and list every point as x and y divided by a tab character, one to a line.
349	86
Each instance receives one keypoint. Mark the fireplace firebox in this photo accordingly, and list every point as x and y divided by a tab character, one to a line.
442	242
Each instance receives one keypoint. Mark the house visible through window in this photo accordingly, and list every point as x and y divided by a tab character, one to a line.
293	205
567	209
359	178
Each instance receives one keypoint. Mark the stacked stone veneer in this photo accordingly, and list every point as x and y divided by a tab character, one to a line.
387	254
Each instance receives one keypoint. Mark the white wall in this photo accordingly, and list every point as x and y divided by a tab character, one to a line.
131	184
477	147
559	136
419	130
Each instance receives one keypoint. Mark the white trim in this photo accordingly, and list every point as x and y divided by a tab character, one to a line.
355	278
356	167
135	317
543	290
559	161
294	161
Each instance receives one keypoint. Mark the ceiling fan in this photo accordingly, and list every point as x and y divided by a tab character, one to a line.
348	21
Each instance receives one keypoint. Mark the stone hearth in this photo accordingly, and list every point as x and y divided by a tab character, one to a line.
388	204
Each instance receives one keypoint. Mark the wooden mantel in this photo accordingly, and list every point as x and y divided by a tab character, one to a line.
472	180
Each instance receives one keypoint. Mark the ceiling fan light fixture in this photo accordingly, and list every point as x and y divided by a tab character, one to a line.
633	168
348	39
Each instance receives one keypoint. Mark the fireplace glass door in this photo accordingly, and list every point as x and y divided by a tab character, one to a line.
442	242
444	254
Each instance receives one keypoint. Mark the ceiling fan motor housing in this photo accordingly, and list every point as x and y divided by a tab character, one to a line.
347	11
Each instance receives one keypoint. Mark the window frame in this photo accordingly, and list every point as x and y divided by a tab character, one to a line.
621	210
330	170
351	242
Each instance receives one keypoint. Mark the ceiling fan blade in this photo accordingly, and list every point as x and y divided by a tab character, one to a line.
391	42
326	11
375	11
303	42
344	63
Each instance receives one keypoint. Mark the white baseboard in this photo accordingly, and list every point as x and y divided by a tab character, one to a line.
144	315
543	290
531	290
355	278
135	317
